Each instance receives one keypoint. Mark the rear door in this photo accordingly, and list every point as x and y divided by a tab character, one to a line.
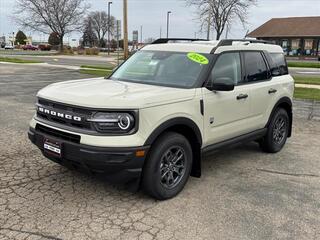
226	113
263	90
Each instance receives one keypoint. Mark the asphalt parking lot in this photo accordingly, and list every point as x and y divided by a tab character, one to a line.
243	193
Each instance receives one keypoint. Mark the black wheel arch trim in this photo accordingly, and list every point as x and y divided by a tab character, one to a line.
196	146
283	100
171	123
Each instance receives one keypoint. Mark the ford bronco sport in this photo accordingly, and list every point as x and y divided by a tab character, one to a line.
151	121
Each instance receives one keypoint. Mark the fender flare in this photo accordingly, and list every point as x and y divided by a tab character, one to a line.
171	123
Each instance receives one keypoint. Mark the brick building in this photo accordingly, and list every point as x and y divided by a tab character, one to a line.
298	36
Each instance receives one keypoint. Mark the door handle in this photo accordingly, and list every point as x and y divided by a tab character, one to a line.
272	90
242	96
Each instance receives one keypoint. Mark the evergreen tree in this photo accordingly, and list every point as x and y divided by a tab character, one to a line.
54	39
20	38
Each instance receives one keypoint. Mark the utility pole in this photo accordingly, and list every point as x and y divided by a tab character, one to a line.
109	22
160	32
118	34
141	33
125	29
168	16
209	26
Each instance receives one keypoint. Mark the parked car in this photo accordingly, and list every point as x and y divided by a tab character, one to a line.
44	47
30	47
8	47
154	118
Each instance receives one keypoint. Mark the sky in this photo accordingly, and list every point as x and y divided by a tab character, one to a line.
151	14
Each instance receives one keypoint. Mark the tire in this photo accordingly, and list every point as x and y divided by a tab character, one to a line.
169	148
277	132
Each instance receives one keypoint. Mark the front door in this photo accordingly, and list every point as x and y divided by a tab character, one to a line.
226	113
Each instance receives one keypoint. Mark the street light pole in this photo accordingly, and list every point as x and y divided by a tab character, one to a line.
125	29
109	3
168	15
13	39
141	33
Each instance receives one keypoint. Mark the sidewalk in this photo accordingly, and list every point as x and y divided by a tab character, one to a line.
307	86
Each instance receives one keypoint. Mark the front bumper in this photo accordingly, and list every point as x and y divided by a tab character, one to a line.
119	165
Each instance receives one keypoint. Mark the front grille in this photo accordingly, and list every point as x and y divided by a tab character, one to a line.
73	111
58	134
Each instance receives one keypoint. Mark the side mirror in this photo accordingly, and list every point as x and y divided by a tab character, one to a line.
222	87
222	84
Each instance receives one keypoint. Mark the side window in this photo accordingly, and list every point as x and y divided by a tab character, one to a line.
227	69
280	63
256	68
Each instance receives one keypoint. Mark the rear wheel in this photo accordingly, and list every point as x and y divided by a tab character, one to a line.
168	166
277	133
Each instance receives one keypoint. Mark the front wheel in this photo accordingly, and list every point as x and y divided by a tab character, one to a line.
277	133
168	166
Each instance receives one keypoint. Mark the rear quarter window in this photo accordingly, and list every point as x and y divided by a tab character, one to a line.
279	62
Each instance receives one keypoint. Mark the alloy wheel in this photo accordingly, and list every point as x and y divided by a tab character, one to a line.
279	130
172	167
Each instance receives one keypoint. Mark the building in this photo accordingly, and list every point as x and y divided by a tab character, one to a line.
298	36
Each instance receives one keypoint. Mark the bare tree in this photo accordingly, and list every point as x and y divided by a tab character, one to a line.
46	16
99	22
220	14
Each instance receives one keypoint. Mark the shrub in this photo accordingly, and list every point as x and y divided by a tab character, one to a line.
91	51
68	51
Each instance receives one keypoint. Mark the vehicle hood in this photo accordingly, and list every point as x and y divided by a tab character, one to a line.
106	93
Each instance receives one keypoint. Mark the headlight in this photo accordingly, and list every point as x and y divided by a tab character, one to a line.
113	122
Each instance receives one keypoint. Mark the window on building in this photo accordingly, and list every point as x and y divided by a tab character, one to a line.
227	69
256	68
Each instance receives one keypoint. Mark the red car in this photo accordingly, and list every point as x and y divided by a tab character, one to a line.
30	47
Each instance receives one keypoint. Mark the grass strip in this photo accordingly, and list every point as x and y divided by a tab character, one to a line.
17	60
304	64
307	93
95	72
97	67
307	80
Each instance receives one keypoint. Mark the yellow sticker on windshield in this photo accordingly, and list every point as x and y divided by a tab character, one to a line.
198	58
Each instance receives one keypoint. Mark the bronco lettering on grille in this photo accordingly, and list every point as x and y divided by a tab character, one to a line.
59	114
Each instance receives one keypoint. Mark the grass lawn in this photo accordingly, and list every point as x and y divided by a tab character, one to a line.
17	60
307	80
96	72
307	93
98	67
304	64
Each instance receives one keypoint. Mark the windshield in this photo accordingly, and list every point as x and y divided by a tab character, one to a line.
175	69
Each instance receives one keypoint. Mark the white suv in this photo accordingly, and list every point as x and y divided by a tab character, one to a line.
152	120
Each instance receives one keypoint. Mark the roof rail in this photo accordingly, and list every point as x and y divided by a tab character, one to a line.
166	40
228	42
